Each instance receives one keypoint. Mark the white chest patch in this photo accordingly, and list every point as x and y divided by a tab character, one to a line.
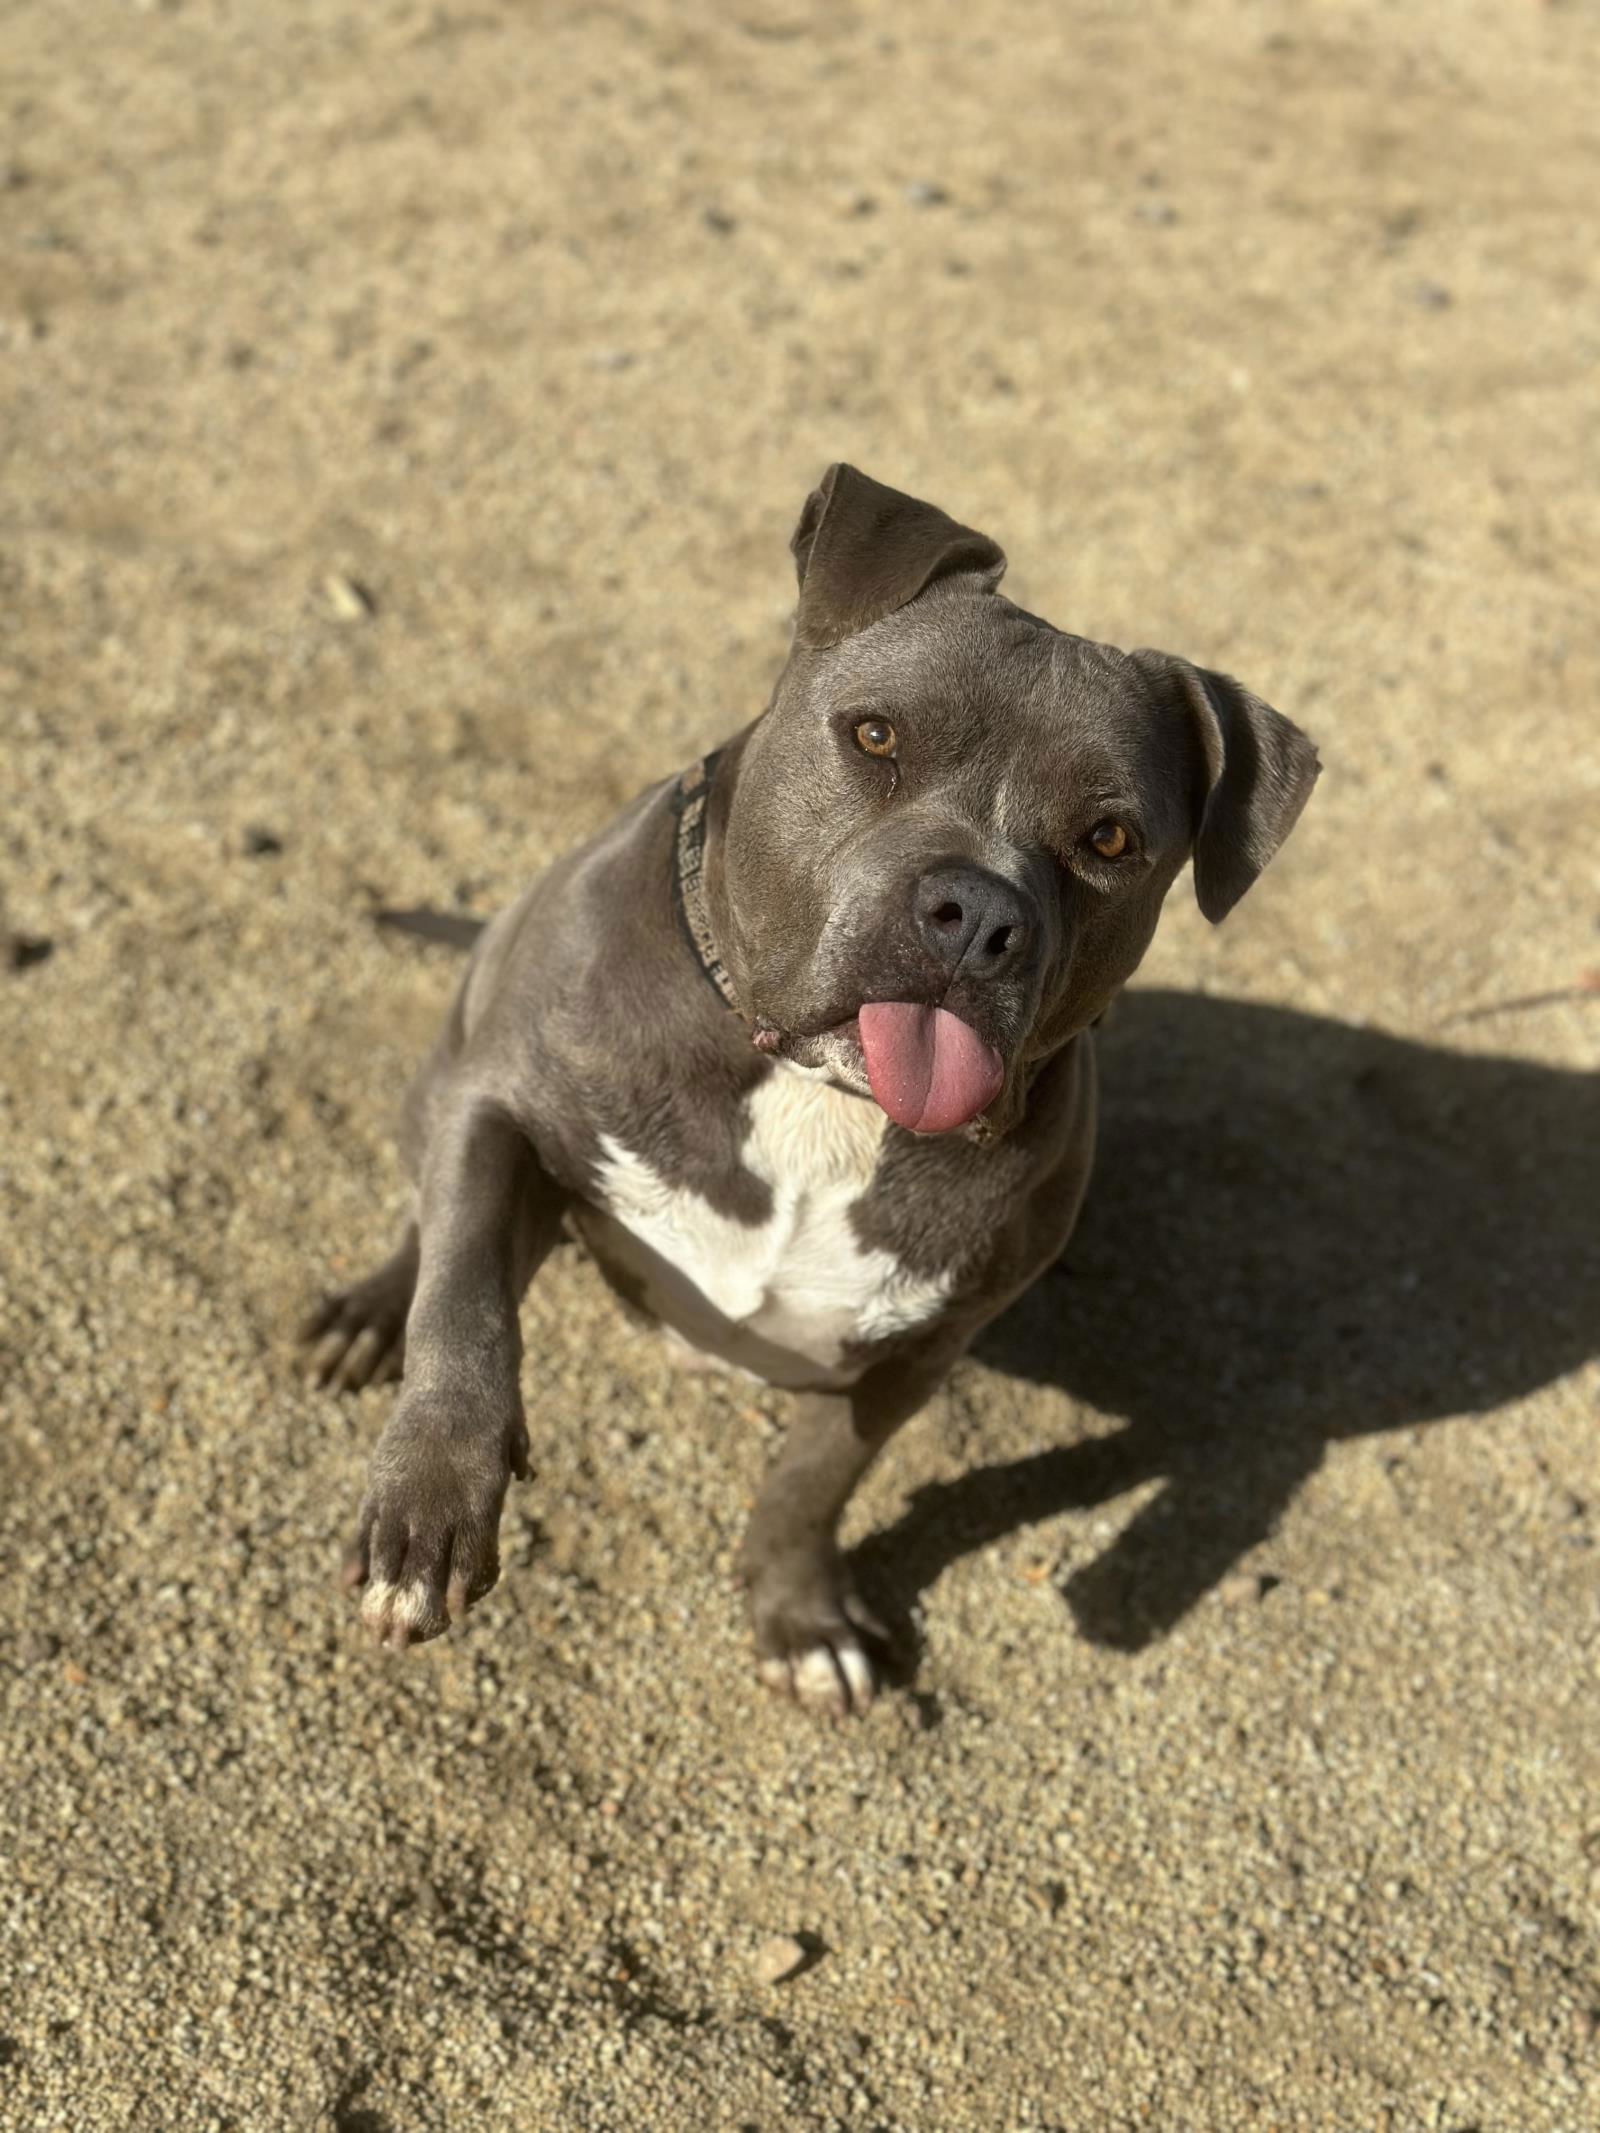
786	1298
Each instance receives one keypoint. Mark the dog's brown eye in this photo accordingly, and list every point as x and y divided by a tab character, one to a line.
876	736
1110	839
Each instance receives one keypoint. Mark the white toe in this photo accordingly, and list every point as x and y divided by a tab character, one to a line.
856	1668
817	1680
414	1606
405	1606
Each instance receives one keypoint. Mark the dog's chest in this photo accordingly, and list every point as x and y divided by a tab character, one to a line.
794	1297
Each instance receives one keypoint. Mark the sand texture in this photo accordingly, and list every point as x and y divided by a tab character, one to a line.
403	413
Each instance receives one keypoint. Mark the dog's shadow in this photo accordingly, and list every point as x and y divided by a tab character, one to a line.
1298	1231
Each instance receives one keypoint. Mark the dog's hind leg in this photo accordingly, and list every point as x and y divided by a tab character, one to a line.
357	1336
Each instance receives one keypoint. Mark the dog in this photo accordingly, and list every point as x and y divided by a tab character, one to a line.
801	1048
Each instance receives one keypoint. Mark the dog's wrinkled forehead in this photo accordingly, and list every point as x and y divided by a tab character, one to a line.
984	695
977	650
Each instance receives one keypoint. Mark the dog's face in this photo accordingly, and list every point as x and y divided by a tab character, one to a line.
951	834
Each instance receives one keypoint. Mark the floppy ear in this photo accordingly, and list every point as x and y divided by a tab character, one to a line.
1259	771
862	551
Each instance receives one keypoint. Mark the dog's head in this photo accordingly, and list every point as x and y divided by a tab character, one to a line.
950	835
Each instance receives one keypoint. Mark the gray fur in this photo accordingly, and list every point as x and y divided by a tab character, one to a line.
584	1027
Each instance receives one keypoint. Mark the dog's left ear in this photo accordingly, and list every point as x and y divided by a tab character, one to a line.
1259	771
862	550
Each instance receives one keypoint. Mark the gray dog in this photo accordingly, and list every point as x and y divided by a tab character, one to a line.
801	1047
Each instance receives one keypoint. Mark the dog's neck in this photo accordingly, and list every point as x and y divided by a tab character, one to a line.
690	800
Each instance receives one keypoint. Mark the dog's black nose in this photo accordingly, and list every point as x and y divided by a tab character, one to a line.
970	920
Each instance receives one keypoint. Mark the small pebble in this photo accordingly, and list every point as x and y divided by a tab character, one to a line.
348	597
1244	1585
778	1960
20	951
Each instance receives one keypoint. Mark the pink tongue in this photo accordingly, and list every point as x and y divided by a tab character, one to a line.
929	1070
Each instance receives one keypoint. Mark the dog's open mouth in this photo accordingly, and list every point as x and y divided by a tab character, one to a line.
925	1067
929	1070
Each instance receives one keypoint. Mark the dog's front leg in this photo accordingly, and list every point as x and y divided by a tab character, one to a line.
812	1632
426	1544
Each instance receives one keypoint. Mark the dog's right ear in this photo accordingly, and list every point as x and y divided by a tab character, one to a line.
1259	771
862	550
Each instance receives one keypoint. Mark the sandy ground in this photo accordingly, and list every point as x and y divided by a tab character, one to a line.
405	410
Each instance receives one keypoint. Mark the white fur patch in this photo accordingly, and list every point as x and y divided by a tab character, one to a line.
409	1606
816	1679
857	1671
786	1298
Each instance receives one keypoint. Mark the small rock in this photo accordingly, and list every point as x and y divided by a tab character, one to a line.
348	597
20	951
261	843
719	221
923	194
779	1959
1432	296
1245	1585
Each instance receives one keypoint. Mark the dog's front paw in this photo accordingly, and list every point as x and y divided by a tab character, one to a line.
426	1544
814	1637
